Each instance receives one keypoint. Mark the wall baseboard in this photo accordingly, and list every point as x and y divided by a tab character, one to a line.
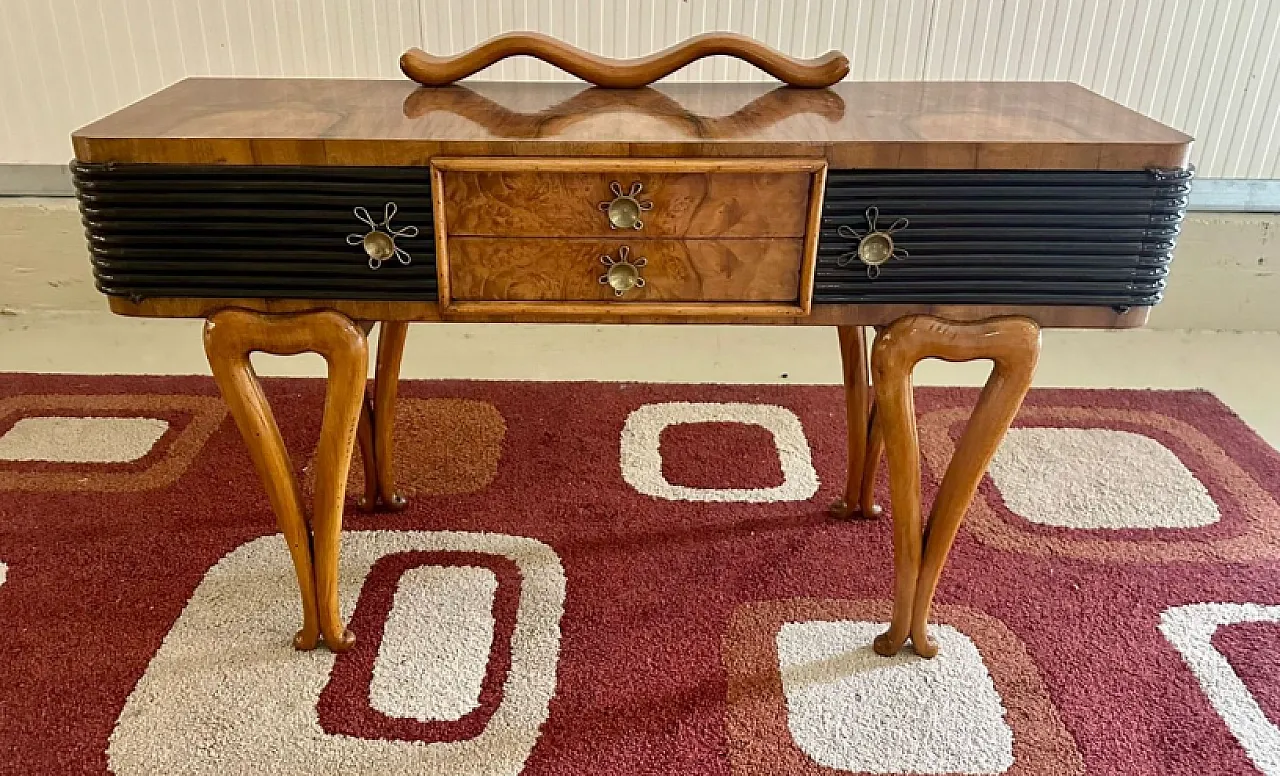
1231	195
35	180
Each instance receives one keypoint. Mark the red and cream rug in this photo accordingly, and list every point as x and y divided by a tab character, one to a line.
634	579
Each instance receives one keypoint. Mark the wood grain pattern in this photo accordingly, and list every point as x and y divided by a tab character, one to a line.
537	196
1014	345
364	435
629	312
229	338
768	108
430	70
502	269
812	235
857	399
871	464
1047	316
444	288
377	420
592	164
691	204
896	125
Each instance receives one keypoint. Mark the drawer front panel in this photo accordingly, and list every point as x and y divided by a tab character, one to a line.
731	237
686	202
507	270
276	232
1001	237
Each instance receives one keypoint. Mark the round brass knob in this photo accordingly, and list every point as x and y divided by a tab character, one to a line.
622	274
623	277
624	209
875	249
379	242
875	245
624	213
379	245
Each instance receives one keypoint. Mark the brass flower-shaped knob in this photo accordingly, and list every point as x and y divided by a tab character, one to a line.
379	242
624	209
875	245
622	274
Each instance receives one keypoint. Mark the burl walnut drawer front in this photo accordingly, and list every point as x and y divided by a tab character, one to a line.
621	236
678	204
667	270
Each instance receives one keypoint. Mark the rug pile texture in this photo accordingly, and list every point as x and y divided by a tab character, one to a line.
625	579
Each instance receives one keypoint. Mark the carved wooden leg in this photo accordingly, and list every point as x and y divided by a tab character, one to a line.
871	464
857	388
229	337
1014	345
364	437
377	422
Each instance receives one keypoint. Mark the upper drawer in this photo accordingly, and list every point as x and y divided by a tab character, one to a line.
642	198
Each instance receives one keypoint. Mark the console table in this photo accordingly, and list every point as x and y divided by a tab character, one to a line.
957	219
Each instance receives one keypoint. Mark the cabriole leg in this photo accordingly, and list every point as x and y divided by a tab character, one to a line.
377	423
857	391
230	336
871	465
1013	343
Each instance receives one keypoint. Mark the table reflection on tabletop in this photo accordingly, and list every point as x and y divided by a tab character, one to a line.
711	111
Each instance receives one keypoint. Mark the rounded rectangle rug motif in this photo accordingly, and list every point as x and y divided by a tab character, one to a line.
602	578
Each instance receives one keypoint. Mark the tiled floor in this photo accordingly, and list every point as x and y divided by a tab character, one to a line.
1243	369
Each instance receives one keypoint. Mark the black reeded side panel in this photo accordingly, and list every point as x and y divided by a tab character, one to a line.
232	231
1002	237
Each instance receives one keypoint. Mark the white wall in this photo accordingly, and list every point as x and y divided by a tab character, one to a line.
1208	67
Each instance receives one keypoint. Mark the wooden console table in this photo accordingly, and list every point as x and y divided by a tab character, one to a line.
954	218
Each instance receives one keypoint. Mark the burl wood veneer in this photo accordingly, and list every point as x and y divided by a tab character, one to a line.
549	231
674	270
904	125
688	202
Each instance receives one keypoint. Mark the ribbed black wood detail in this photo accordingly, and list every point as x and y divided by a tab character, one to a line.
232	231
1005	237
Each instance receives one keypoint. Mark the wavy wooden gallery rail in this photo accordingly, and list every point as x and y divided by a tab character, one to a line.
430	70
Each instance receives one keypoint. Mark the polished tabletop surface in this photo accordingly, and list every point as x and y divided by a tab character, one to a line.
853	124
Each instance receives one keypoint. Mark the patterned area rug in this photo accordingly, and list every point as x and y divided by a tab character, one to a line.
634	579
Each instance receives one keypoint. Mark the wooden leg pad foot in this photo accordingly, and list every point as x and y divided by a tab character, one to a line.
886	646
342	644
841	510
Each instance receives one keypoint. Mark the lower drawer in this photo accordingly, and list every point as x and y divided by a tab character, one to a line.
623	271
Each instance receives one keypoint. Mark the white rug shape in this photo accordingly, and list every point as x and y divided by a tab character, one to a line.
227	693
852	710
641	455
1190	630
81	440
1091	478
435	646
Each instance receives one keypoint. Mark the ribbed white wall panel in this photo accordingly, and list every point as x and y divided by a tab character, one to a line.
1209	68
